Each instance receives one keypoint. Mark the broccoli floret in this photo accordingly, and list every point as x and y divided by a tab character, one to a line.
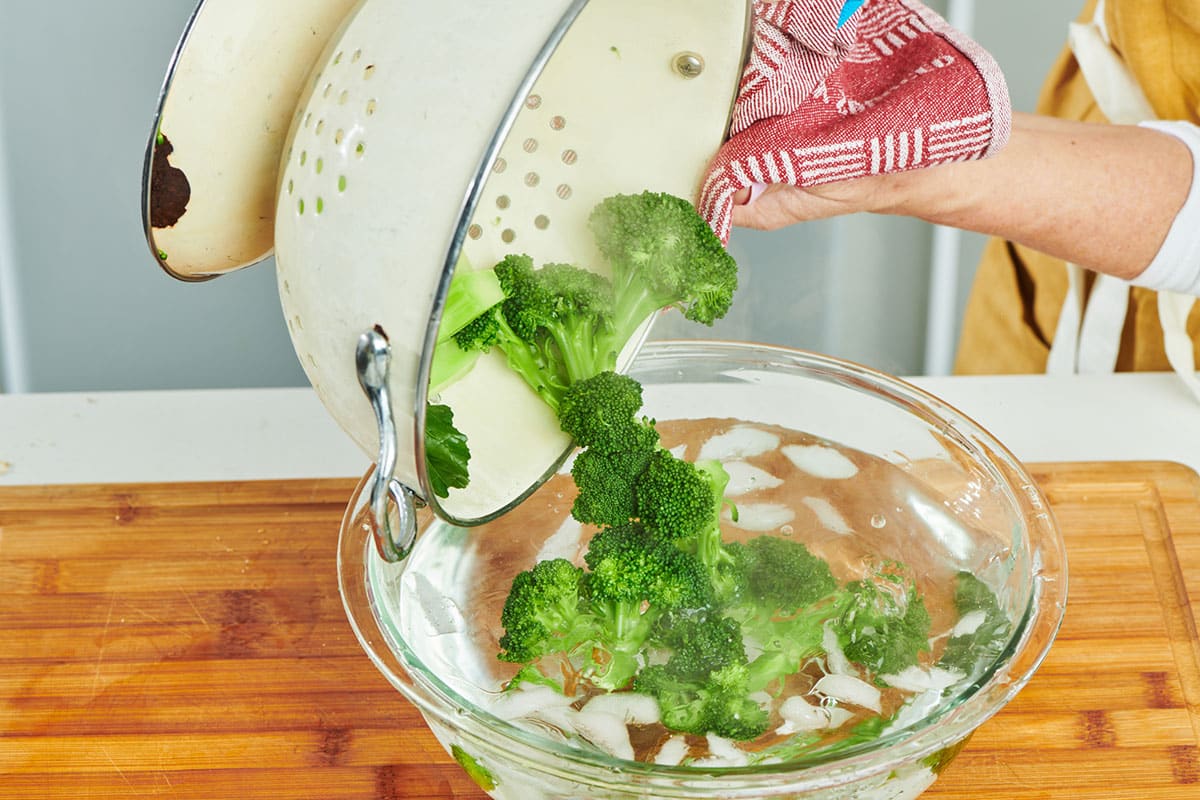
784	574
674	498
885	625
600	414
982	645
606	484
662	254
682	501
703	687
634	579
579	328
544	613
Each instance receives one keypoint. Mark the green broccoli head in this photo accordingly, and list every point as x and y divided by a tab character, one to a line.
544	612
702	643
663	254
784	575
884	625
675	499
606	483
481	333
600	412
629	565
527	304
719	703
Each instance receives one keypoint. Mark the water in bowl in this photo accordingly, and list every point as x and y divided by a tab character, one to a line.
855	510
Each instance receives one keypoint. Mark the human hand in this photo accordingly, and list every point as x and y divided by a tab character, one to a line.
779	205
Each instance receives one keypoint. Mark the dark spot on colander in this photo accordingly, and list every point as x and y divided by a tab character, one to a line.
569	157
541	222
503	201
532	179
169	187
500	165
508	235
533	101
557	123
530	145
475	231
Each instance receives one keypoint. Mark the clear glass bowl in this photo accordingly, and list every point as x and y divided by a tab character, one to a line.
954	499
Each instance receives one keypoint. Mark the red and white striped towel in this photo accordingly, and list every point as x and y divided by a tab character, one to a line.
895	88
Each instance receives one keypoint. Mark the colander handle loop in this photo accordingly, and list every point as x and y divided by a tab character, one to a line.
393	538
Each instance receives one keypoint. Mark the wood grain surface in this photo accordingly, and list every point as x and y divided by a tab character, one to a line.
188	641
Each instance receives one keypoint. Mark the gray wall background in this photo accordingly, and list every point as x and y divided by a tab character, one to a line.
90	310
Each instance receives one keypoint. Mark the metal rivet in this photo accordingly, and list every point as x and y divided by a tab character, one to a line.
689	65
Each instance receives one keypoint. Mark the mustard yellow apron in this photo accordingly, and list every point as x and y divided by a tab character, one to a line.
1022	300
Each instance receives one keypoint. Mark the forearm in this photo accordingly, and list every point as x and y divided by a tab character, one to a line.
1101	196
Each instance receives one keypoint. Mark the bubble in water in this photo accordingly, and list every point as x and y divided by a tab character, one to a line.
787	530
878	521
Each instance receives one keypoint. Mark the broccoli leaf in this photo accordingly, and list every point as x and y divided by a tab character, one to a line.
446	453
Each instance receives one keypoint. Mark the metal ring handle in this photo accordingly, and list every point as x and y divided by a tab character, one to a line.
372	358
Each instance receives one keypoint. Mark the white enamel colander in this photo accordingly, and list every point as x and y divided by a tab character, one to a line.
426	132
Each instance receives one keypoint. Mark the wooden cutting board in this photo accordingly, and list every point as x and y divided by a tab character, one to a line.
188	641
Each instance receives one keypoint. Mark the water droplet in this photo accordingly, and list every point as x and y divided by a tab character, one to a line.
787	530
878	521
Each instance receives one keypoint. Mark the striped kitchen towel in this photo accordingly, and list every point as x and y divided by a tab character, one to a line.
894	88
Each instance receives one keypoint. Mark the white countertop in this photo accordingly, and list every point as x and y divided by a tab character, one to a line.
125	437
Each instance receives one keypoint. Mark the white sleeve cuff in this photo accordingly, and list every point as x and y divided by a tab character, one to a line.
1176	267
